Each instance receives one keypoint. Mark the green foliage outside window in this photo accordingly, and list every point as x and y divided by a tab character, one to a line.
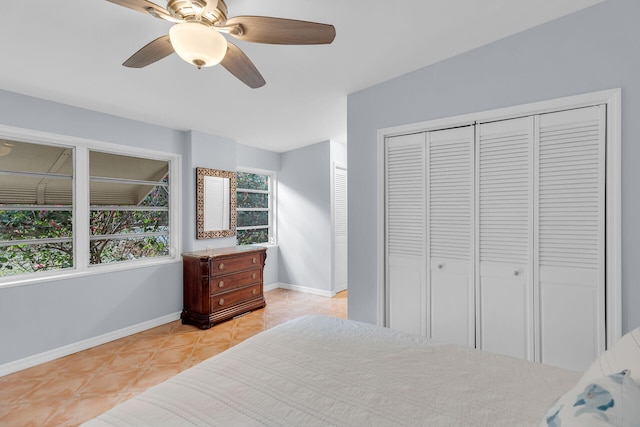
126	222
20	258
252	181
244	199
113	250
250	237
123	222
248	219
17	225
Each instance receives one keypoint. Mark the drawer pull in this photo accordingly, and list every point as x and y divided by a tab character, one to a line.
221	302
221	266
254	260
221	284
253	276
255	291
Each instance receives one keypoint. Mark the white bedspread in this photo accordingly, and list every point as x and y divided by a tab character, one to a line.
320	371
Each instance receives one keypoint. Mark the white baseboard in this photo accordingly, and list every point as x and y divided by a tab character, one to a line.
271	287
47	356
299	288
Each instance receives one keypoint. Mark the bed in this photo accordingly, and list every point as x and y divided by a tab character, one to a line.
320	371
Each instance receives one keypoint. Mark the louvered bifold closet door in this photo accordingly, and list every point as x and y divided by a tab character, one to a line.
504	240
450	220
571	223
405	233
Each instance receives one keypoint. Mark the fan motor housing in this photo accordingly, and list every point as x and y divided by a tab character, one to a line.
186	10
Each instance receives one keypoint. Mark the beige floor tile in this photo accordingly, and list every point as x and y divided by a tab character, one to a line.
127	360
110	382
75	388
14	389
47	369
171	356
88	362
83	409
135	343
153	375
181	340
63	387
28	414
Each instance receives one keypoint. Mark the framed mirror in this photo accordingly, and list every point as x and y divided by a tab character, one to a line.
216	203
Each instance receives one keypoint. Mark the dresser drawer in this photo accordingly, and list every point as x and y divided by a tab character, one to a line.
236	280
222	301
237	263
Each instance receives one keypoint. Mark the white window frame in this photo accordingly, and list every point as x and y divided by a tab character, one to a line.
272	203
612	99
81	233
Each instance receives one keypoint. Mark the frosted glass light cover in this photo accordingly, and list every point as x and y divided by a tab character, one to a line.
198	44
5	149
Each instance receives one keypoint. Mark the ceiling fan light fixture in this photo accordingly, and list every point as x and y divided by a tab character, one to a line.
5	149
198	44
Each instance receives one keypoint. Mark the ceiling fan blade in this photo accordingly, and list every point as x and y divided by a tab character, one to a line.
152	52
263	29
147	7
239	64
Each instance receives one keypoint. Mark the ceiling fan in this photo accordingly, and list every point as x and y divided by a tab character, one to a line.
196	35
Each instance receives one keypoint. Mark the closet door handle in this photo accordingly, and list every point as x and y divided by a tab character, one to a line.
516	273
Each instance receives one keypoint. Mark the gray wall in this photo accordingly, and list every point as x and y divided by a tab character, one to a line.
256	158
304	217
44	316
591	50
305	233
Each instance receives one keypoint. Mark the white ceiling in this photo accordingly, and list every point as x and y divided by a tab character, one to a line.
71	51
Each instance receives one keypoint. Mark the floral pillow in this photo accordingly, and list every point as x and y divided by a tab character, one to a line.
612	400
624	354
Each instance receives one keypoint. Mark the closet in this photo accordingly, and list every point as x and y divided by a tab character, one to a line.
495	235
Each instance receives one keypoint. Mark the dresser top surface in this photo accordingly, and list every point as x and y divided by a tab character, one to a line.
217	252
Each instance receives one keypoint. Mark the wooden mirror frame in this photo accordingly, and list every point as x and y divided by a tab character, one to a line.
201	174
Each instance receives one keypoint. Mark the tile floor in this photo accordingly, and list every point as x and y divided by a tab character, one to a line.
78	387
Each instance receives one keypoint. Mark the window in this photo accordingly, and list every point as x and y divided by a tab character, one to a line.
75	206
254	207
129	212
36	213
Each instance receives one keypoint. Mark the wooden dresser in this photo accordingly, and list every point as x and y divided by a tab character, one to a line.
222	283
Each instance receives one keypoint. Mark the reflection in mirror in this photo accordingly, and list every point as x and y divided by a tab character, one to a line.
216	208
216	202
